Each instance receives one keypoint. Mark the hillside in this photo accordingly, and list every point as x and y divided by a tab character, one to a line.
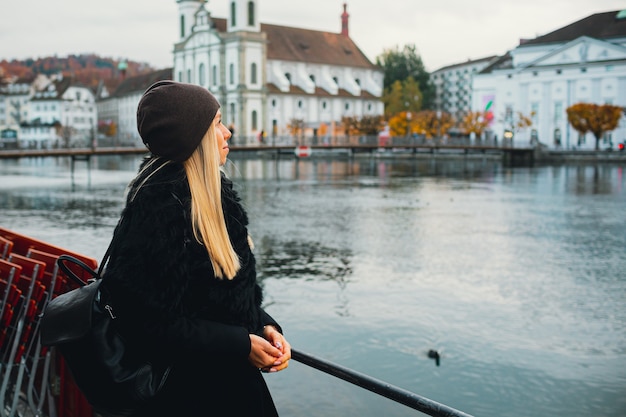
87	69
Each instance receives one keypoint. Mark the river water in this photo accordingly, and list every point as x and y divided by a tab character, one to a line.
515	276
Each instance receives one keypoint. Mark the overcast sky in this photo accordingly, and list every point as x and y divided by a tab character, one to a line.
445	32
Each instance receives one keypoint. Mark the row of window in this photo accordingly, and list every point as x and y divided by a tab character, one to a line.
458	73
255	119
231	75
559	71
202	74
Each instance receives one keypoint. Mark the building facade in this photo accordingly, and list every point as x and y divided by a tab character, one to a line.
453	86
269	78
119	108
582	62
61	113
14	98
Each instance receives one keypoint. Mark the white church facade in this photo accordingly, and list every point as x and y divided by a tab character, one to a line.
270	78
582	62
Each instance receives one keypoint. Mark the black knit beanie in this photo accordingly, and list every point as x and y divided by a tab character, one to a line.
173	117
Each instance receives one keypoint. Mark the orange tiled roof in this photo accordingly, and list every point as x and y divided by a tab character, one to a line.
305	45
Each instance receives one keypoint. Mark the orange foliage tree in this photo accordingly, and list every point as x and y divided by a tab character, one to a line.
399	124
366	125
522	121
476	122
430	124
424	122
107	127
594	118
296	127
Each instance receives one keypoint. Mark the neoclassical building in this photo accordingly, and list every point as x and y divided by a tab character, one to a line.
268	77
581	62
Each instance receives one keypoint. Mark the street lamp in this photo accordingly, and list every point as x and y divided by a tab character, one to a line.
508	135
439	124
408	119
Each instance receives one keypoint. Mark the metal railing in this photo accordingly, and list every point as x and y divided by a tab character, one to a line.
399	395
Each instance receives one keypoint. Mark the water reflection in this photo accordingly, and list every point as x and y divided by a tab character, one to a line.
514	276
304	260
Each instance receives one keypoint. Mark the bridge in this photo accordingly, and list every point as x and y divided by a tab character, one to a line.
512	156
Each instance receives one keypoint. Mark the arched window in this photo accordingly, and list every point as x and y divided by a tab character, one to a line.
231	72
255	121
214	75
180	76
250	13
288	77
182	26
253	73
201	74
189	80
233	14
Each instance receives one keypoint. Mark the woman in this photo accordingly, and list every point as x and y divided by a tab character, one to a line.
181	278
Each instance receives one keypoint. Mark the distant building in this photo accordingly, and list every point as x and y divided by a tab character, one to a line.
15	95
268	77
62	113
119	108
581	62
453	84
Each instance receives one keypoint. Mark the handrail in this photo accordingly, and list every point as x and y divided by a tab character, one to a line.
399	395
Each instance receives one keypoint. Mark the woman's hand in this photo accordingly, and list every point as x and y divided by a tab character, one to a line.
271	354
278	340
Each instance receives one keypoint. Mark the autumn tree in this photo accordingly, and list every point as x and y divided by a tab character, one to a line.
476	122
522	121
296	127
366	125
431	123
350	125
594	118
399	65
425	122
371	125
107	127
402	96
400	124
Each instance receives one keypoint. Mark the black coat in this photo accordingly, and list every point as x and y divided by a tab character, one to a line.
161	285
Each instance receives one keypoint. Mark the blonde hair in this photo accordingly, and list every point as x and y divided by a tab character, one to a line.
207	216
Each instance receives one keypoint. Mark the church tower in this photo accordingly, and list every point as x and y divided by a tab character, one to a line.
243	15
186	19
244	68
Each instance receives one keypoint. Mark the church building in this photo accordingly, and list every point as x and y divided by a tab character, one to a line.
271	78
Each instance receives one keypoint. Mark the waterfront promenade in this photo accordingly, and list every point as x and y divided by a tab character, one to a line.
511	155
